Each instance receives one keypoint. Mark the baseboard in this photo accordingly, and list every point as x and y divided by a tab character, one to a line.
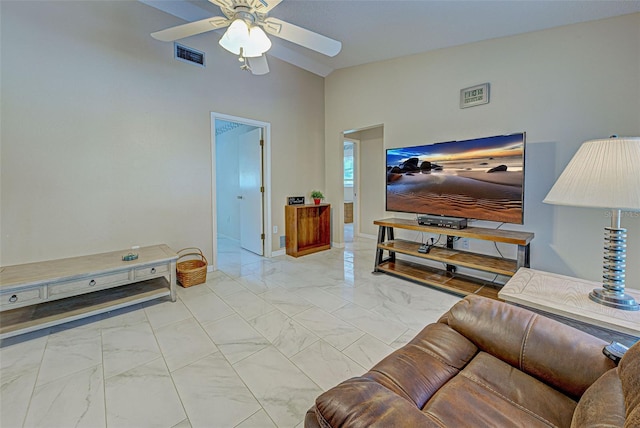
210	268
337	245
280	252
364	235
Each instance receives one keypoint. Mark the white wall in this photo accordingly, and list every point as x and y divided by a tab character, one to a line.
106	139
562	86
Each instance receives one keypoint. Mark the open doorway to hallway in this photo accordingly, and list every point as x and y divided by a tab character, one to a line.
369	180
240	201
350	186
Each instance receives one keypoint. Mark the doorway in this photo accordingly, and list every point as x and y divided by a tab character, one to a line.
369	179
240	153
350	187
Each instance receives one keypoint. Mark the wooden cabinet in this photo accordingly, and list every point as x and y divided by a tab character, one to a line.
348	212
308	228
447	278
45	294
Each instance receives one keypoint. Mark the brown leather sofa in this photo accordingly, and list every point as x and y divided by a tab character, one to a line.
490	364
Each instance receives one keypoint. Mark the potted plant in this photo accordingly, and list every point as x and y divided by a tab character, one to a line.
317	196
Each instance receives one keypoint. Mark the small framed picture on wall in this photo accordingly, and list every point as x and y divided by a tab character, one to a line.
474	95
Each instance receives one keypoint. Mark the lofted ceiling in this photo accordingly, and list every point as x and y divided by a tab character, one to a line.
377	30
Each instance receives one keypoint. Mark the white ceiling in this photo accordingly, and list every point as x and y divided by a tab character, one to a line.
377	30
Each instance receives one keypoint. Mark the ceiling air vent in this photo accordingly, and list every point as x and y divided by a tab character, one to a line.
186	54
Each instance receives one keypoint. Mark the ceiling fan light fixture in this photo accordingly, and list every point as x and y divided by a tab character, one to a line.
258	44
236	36
244	38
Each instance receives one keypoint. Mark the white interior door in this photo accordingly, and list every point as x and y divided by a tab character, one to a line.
251	211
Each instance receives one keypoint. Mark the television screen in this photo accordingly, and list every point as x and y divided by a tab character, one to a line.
479	179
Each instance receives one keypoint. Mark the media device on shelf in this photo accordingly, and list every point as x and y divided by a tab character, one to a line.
442	221
480	179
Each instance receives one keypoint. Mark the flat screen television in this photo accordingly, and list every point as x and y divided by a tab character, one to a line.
479	179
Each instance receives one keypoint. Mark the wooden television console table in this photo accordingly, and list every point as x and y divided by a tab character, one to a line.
447	278
45	294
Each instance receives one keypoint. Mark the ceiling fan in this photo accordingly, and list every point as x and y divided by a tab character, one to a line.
248	21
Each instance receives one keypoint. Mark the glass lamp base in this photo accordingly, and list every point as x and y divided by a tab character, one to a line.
614	300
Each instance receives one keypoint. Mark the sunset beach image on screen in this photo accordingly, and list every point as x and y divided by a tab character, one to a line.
479	179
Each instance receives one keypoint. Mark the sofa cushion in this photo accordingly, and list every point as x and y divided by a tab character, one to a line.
364	403
629	372
490	392
417	370
532	343
602	404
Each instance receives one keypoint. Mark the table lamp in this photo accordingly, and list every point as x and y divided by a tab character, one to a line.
605	174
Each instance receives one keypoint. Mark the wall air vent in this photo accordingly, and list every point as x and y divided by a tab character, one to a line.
190	55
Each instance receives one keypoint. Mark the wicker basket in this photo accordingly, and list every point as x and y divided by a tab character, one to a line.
194	271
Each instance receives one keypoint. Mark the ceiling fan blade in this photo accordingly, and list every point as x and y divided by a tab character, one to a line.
264	6
258	65
302	36
191	29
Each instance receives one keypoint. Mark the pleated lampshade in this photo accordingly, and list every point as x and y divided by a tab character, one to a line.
603	173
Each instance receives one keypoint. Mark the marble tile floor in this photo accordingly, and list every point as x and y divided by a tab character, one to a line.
348	232
252	347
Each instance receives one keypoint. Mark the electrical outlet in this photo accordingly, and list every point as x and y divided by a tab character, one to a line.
464	243
275	229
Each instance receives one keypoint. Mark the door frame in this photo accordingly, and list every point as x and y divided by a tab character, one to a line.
266	180
356	184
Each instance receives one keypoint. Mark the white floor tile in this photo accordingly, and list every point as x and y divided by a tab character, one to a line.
184	424
23	353
213	394
248	305
235	338
335	331
322	299
15	396
125	317
183	343
128	347
224	285
368	351
164	312
325	365
376	325
286	301
69	352
207	307
258	284
76	400
282	389
287	335
143	397
257	420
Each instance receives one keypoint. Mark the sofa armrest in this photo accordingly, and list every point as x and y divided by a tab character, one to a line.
361	402
535	344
